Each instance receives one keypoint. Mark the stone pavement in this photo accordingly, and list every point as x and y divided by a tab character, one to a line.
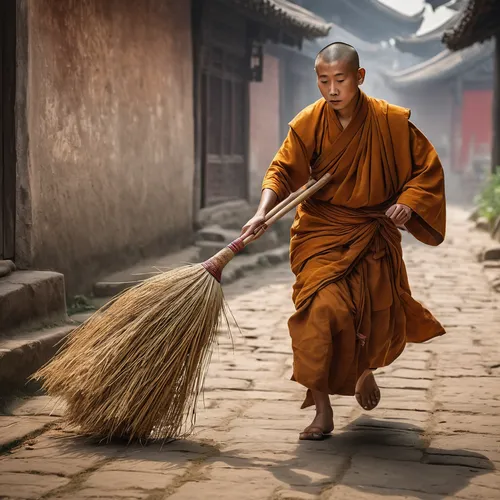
435	435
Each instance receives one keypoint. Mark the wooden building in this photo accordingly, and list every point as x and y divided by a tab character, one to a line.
7	131
289	69
427	45
450	95
480	21
119	120
370	26
369	20
230	39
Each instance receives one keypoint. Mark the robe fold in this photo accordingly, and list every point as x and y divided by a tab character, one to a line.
353	305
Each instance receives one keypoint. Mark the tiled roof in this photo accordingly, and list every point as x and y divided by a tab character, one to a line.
427	44
444	66
479	21
370	20
288	15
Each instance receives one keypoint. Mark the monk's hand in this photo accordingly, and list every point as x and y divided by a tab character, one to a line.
399	214
255	226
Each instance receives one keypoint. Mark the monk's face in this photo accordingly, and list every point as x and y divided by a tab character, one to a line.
338	82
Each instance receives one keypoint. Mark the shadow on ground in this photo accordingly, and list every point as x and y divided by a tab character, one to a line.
367	457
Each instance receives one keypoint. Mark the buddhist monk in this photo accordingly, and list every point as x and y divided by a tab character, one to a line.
354	311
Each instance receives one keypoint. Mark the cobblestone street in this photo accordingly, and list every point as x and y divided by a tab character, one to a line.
435	434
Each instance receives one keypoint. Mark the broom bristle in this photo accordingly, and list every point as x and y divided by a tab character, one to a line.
136	367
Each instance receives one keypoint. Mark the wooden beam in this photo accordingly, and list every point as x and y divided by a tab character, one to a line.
8	97
24	248
495	155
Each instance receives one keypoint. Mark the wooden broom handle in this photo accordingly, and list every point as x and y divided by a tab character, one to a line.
291	202
290	198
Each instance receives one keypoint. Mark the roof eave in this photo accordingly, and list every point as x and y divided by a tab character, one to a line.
466	31
295	21
431	70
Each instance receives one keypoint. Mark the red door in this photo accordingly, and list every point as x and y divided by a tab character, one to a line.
476	127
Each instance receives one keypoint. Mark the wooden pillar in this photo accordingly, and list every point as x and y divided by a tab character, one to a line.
7	128
197	54
495	156
24	248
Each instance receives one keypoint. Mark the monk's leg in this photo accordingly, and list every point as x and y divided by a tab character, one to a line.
324	349
322	423
367	391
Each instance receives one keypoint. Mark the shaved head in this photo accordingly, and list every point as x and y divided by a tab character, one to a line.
338	51
339	75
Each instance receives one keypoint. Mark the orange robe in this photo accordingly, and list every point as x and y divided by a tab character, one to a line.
354	308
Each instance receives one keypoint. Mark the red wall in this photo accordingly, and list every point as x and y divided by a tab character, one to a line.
476	125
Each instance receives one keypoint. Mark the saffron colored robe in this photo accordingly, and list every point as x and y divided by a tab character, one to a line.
354	308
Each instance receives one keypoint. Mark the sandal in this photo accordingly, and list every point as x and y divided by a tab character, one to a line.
313	434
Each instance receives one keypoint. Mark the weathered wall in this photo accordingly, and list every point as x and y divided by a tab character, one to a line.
432	112
436	112
302	79
264	123
110	133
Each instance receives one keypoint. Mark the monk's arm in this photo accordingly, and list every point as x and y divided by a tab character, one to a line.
290	167
288	171
268	201
424	191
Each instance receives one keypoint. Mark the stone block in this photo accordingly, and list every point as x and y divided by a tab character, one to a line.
305	493
216	237
217	234
222	490
6	267
207	249
398	475
94	493
483	224
105	480
22	355
232	214
222	384
28	297
57	465
465	444
25	485
342	492
416	383
450	423
35	406
492	264
14	429
491	254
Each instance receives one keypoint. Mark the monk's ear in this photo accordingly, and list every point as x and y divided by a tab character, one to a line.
361	75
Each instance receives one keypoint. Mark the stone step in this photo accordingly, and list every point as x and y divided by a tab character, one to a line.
217	234
31	298
207	249
6	267
21	355
117	282
232	214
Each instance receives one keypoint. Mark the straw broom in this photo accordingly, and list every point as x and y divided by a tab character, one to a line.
136	367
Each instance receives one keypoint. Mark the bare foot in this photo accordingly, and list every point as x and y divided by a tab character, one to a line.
320	427
367	391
